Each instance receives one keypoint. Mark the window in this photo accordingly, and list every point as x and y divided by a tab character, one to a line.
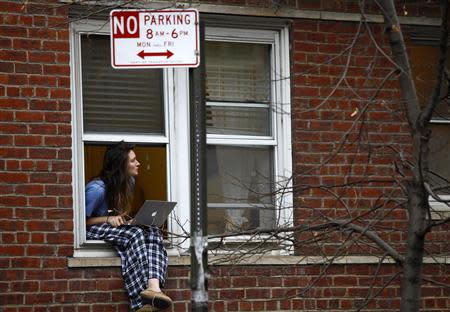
424	58
248	128
240	110
246	112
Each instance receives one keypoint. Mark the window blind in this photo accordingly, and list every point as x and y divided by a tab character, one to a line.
118	100
237	72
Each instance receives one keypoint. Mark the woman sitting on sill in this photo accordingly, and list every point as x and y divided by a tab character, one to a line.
143	256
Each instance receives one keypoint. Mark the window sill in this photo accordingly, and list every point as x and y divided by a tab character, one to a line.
185	260
439	211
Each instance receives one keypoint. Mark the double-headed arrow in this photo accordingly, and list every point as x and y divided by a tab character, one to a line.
143	54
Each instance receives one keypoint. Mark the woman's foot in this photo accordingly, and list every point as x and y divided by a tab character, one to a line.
156	299
148	308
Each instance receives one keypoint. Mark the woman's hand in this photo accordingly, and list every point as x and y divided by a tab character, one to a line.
116	221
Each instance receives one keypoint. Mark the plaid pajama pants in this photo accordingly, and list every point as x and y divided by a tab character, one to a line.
142	254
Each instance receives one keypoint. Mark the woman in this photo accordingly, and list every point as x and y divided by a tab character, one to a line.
144	258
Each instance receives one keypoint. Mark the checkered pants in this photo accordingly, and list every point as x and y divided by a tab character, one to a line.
142	253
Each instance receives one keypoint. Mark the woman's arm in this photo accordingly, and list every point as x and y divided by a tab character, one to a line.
115	221
97	220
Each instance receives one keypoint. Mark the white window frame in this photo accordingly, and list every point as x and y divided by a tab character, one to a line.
176	138
280	138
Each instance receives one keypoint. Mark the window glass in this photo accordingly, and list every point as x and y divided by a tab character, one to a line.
239	192
424	59
237	72
238	88
440	157
151	181
237	120
118	100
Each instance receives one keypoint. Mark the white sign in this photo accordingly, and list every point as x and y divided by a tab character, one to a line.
143	39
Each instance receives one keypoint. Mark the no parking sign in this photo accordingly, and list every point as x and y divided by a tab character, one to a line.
161	38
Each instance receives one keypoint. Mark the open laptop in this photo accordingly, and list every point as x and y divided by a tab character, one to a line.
153	212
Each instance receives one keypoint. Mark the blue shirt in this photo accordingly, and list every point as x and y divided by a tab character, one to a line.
95	196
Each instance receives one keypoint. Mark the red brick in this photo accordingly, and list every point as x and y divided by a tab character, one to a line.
42	80
13	92
29	116
43	129
38	238
65	202
13	177
58	117
61	166
38	298
41	92
11	299
63	70
63	58
232	294
54	286
43	178
58	21
42	201
58	190
239	282
26	92
60	94
42	57
27	140
257	293
40	250
27	286
64	129
13	31
43	105
26	44
11	250
13	103
59	238
13	201
54	263
42	153
63	82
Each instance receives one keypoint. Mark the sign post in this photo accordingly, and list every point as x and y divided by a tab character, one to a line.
155	39
171	38
199	237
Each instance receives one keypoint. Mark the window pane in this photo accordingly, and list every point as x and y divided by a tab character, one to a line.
237	120
237	72
239	192
440	156
424	59
118	100
151	181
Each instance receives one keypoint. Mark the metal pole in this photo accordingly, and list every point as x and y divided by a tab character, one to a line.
199	241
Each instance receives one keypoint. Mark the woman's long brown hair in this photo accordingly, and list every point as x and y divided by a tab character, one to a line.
119	185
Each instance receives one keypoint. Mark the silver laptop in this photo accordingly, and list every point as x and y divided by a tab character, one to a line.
153	212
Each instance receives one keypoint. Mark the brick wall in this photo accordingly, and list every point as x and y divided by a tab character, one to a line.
347	138
36	193
36	227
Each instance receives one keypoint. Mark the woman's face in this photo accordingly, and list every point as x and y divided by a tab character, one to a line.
133	164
